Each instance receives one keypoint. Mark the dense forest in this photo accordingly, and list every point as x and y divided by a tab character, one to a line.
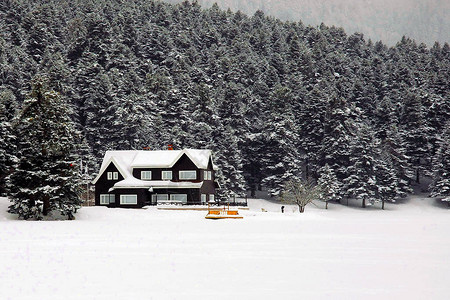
274	100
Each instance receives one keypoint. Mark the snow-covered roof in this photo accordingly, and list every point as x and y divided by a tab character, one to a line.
132	182
126	160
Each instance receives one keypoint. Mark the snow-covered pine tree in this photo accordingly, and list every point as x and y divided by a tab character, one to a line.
440	186
416	133
8	158
387	181
46	179
361	181
282	161
330	188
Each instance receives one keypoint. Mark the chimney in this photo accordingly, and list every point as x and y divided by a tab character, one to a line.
170	147
146	148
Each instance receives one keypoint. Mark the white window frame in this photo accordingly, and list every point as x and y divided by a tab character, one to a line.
112	175
212	198
165	175
108	197
173	198
182	175
127	196
157	198
203	198
207	175
146	177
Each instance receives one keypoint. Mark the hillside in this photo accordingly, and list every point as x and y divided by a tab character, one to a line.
274	100
424	21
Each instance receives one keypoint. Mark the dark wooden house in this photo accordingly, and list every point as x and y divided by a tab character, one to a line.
137	178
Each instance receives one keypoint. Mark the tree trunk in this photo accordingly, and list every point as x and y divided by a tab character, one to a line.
46	207
253	190
382	204
364	202
417	175
301	209
326	204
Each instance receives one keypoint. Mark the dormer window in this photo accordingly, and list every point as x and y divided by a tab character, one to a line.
188	175
113	175
146	175
166	175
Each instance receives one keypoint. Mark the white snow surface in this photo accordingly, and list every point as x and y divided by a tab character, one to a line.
339	253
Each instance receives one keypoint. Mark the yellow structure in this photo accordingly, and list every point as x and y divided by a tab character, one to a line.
222	213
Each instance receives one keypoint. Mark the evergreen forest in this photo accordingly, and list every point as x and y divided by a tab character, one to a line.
275	100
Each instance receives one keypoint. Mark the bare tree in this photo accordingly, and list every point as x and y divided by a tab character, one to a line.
301	193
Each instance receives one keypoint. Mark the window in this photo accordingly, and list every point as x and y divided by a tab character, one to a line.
166	175
113	175
207	175
203	198
211	198
107	198
128	199
188	175
146	175
178	198
160	198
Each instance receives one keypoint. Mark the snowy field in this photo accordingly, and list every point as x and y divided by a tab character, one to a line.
339	253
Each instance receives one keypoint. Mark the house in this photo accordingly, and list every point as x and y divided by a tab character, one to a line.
134	178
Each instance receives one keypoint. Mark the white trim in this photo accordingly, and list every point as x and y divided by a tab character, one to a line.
111	160
180	177
115	175
186	151
173	198
109	175
203	198
166	173
146	177
207	175
108	197
128	196
156	196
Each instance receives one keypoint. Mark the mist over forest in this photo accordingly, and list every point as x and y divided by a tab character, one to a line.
425	21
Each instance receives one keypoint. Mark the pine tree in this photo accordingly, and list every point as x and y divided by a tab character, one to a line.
440	186
46	179
281	161
329	185
8	158
361	181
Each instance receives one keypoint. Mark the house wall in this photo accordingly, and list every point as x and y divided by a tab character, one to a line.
103	184
144	197
208	186
193	195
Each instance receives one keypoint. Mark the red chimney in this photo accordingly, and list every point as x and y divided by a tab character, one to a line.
146	148
170	147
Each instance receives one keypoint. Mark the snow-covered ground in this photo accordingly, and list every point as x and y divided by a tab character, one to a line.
339	253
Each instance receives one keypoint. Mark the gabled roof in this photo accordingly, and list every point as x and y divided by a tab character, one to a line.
126	160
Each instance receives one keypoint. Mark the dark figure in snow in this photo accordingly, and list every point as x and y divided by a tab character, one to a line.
282	209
